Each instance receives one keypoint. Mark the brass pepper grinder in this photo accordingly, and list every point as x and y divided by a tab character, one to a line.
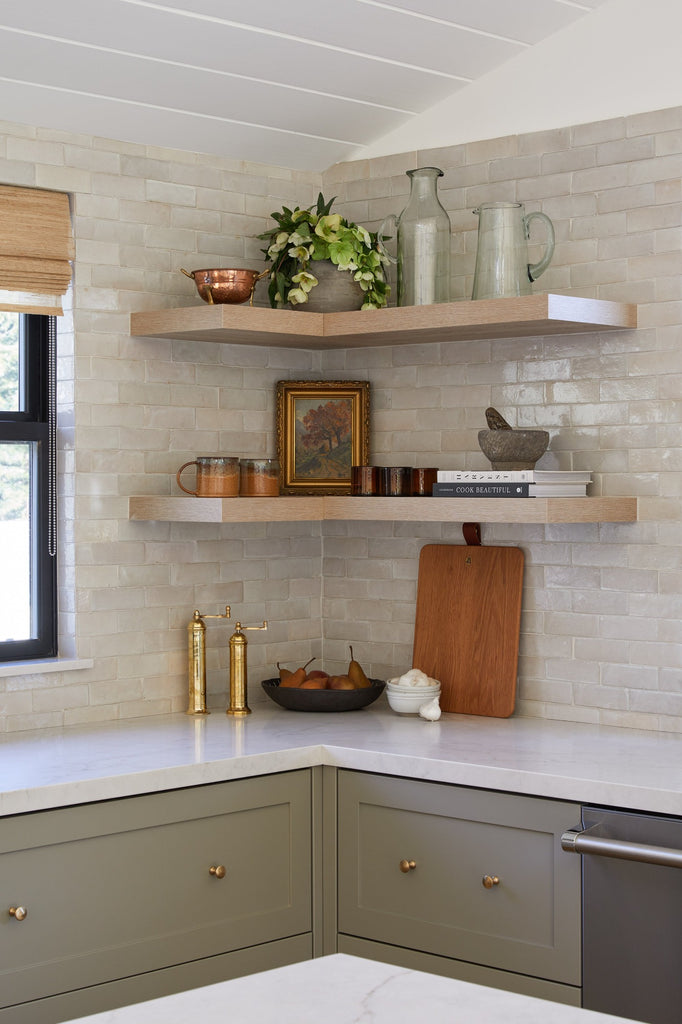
238	705
196	655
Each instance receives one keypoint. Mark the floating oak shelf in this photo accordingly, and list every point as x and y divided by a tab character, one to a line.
526	316
433	510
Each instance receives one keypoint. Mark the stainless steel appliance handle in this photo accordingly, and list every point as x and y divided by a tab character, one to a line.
575	841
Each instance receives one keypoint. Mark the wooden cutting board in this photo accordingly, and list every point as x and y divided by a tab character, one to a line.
467	625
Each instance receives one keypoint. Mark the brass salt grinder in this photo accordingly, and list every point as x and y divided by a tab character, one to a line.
196	651
196	644
238	705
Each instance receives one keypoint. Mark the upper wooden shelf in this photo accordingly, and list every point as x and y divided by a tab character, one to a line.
432	510
527	316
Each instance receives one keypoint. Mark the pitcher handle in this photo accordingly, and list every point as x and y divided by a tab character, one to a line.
180	484
391	219
535	269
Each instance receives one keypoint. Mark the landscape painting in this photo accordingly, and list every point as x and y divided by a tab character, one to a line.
322	430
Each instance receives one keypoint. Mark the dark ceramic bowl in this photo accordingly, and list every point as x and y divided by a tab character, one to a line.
293	699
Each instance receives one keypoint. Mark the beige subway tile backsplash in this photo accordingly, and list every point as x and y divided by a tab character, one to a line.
601	640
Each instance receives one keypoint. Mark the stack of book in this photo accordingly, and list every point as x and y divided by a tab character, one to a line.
511	483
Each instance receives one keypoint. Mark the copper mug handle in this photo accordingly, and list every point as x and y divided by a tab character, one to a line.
180	484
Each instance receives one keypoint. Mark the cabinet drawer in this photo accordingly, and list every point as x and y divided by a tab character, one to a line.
65	1006
122	887
509	981
528	921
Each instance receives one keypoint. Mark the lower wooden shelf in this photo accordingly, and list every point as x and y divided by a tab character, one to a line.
432	510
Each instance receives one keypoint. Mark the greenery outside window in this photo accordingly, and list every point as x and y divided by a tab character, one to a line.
28	606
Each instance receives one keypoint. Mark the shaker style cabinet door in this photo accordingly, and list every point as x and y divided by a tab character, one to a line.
115	889
470	874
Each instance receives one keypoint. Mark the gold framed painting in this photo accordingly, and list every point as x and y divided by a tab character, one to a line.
322	430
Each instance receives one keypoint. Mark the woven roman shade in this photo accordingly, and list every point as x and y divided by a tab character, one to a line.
36	245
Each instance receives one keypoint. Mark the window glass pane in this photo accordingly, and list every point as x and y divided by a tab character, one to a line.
9	363
15	540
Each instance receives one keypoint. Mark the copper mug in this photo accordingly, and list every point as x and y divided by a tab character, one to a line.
217	477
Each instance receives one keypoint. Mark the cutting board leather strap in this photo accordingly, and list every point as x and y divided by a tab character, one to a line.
472	533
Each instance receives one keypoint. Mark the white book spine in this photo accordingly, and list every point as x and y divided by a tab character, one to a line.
473	476
513	476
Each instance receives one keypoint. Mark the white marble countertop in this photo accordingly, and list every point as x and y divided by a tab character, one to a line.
343	989
582	763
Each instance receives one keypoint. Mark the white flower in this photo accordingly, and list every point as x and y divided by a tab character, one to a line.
350	265
299	252
305	280
363	235
296	238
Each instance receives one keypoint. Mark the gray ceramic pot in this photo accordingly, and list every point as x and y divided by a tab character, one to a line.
336	291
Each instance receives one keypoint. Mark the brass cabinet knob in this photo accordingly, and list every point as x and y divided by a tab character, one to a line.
18	913
218	871
407	865
490	880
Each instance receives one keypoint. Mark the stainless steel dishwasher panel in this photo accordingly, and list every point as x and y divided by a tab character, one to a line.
632	915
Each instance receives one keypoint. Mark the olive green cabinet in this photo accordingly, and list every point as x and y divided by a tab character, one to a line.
153	884
111	903
474	876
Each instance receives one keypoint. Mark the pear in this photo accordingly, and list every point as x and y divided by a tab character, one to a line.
293	678
341	683
317	673
356	673
315	683
284	674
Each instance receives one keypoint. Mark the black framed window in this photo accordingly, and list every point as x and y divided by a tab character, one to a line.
28	576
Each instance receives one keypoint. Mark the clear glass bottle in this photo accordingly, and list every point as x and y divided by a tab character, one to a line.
423	235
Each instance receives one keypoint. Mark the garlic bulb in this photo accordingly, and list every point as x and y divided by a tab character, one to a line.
430	710
414	677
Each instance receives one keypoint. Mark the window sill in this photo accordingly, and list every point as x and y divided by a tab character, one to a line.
42	665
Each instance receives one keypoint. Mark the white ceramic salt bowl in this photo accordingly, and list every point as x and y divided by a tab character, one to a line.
407	700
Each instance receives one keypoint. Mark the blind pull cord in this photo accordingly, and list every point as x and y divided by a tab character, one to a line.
52	436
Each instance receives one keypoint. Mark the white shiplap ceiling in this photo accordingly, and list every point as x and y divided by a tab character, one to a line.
296	83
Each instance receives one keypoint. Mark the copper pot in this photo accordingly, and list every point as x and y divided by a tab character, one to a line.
232	285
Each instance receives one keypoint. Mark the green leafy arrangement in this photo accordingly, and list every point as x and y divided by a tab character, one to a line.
302	237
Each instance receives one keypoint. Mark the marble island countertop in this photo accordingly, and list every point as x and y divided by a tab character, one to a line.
582	763
343	989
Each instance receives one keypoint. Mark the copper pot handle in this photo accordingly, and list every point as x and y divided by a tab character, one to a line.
191	274
259	277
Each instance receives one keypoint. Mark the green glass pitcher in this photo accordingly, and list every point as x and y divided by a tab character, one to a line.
502	267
